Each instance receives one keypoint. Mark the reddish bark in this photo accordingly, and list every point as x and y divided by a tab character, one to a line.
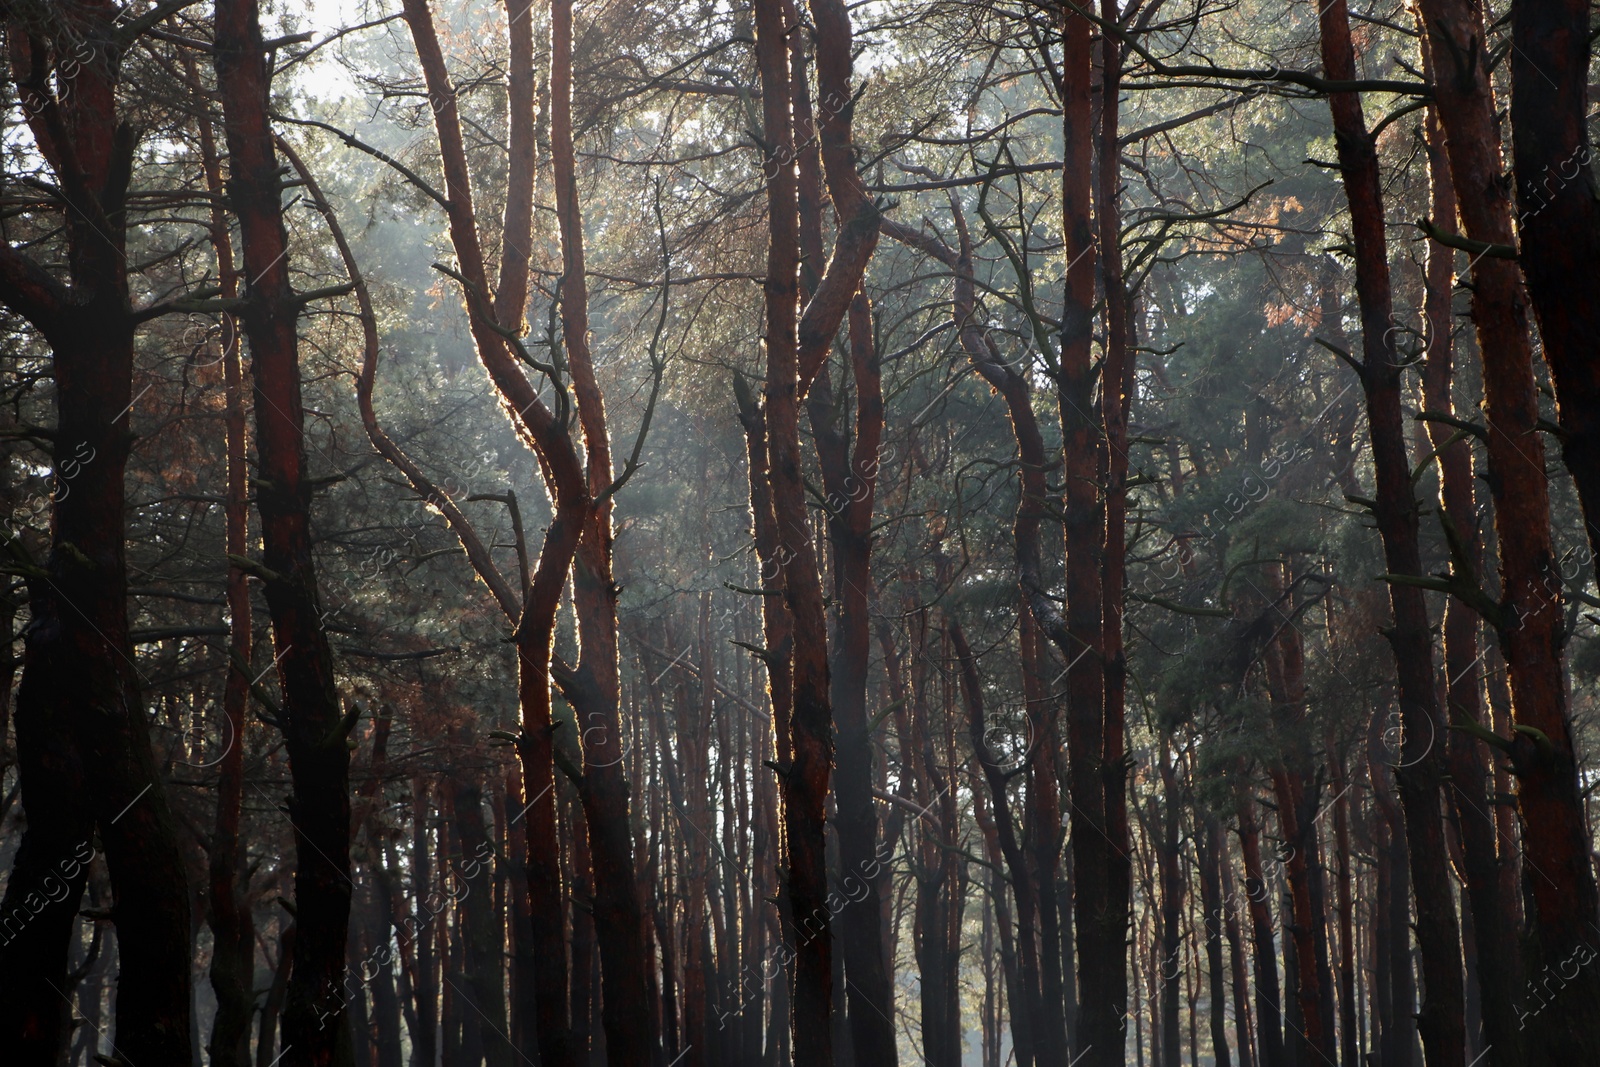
806	776
546	436
857	213
1440	1021
594	688
851	483
315	732
777	627
1499	956
232	925
1555	836
1100	919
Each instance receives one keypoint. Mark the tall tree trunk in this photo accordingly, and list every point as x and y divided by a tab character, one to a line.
1285	662
1020	1010
851	489
1397	981
1559	227
1010	849
1042	833
1440	1022
1494	928
425	988
1348	1030
1555	835
85	761
493	327
1269	1017
483	946
805	777
594	689
232	925
1243	1031
1209	850
1116	401
1098	924
272	1004
1170	872
315	732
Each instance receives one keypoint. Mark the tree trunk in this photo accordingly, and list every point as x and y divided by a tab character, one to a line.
1348	1030
1269	1018
805	778
232	925
483	947
1494	928
492	326
315	732
1529	616
594	691
1010	849
85	761
1559	227
1209	846
1116	400
1236	955
1440	1022
1170	873
851	488
1099	922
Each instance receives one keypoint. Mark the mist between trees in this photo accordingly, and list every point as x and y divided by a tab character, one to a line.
912	532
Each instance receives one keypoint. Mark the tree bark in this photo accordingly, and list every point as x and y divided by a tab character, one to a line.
1269	1017
594	689
804	779
1556	839
85	761
1494	930
232	924
1209	848
851	495
1440	1021
1559	226
315	732
546	435
1011	849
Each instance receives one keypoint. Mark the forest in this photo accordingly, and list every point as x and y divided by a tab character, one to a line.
844	533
